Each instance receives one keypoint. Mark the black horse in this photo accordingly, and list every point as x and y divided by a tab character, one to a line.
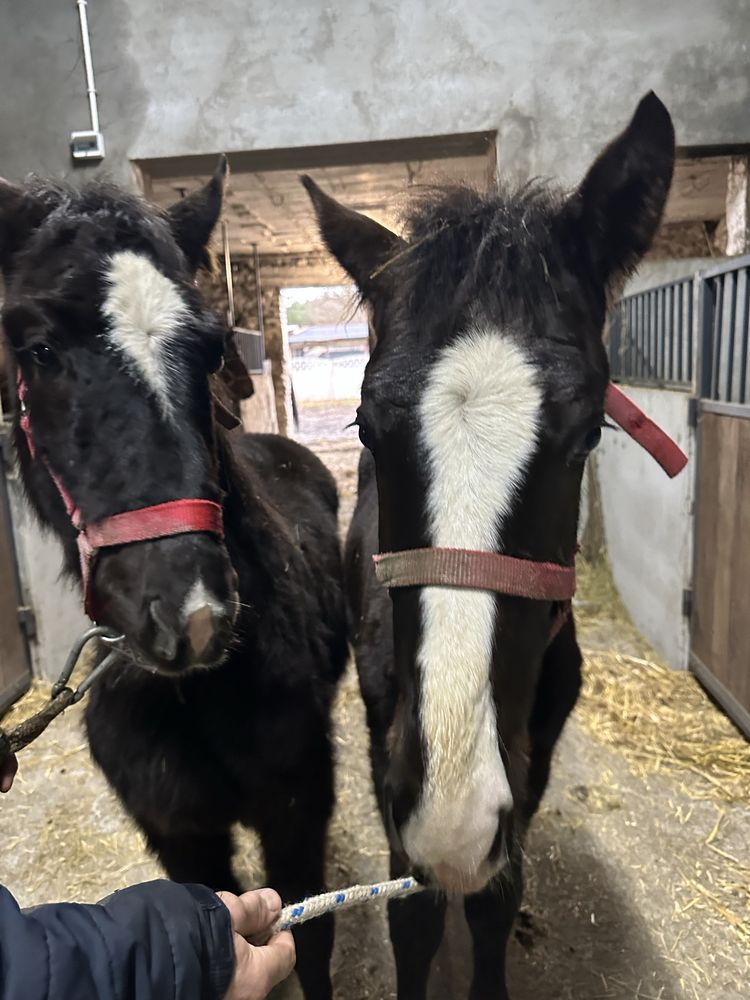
483	397
221	713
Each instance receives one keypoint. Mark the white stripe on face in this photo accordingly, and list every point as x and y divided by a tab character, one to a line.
479	418
145	312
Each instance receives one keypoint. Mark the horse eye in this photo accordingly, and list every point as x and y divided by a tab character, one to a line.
592	439
44	357
215	364
364	435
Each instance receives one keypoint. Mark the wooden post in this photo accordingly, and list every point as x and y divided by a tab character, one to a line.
738	206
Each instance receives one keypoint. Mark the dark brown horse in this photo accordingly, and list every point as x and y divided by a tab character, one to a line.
220	713
481	401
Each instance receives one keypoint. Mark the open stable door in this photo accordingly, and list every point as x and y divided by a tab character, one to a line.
720	646
15	668
720	641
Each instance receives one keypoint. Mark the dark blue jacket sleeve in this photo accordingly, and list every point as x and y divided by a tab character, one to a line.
156	941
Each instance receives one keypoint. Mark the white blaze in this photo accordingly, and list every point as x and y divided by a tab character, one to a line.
479	418
145	312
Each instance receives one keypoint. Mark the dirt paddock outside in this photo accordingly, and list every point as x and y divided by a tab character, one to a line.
637	865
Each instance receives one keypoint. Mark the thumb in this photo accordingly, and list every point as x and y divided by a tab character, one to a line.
253	912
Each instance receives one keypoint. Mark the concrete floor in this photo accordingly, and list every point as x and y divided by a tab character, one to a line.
605	914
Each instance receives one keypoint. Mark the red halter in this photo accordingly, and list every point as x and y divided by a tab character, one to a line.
176	517
541	581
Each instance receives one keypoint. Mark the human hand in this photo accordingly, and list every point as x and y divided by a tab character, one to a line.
8	770
261	960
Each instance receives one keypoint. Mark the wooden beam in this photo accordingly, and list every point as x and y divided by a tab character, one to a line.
336	154
738	206
698	192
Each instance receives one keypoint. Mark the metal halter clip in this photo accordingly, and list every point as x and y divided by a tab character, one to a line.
61	696
100	632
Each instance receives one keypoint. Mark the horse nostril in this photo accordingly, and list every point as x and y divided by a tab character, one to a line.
165	638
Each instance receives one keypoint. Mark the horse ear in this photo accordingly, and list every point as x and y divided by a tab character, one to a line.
359	244
193	218
20	214
621	199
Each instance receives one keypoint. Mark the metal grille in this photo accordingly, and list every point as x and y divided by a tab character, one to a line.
651	336
250	348
725	330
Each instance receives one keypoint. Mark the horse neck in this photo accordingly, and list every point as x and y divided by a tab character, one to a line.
257	536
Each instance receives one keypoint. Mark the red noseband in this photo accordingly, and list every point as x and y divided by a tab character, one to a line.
163	520
175	517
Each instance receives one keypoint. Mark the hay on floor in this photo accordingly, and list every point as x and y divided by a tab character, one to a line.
661	721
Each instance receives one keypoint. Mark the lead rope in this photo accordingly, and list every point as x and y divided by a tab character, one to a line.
327	902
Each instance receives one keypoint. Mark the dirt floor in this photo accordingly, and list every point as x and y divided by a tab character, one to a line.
638	863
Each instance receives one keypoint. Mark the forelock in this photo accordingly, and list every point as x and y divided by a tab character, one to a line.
473	252
101	219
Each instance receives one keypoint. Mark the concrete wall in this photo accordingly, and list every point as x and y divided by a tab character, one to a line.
182	76
658	272
648	523
56	602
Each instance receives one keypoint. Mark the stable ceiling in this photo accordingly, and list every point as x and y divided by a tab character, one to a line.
273	210
266	204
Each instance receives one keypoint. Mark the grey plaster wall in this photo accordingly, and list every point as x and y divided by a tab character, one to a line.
648	523
659	272
555	78
648	518
44	92
55	600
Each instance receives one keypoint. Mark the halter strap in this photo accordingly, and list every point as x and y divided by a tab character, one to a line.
642	429
441	567
163	520
473	570
175	517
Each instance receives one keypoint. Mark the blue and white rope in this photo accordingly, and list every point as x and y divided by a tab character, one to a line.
327	902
